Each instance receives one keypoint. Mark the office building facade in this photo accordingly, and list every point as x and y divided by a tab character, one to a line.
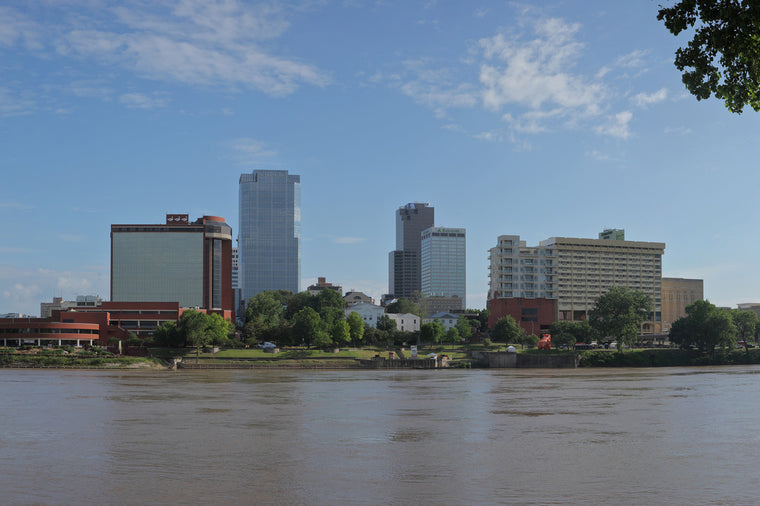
576	272
180	261
269	240
404	263
443	265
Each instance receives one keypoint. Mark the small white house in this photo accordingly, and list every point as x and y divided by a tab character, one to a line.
406	321
370	313
448	320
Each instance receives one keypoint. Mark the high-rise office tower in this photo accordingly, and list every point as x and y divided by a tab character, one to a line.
404	268
269	241
179	261
443	261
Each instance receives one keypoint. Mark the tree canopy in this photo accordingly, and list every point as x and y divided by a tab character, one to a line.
704	326
403	305
619	313
432	332
570	332
507	330
745	323
722	57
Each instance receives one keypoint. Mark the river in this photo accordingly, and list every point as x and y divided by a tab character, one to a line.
625	436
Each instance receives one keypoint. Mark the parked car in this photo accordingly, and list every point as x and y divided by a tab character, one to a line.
266	346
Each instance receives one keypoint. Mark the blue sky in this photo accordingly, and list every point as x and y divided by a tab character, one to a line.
554	120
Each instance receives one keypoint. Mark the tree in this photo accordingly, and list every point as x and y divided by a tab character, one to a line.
403	305
452	335
745	323
506	330
356	327
386	323
192	325
619	313
724	52
464	329
704	326
340	332
265	312
329	298
568	333
482	318
166	335
432	332
529	340
307	325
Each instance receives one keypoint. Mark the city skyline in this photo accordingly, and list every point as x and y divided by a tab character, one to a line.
553	121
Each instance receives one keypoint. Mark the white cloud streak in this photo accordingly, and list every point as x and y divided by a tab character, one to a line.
197	43
646	99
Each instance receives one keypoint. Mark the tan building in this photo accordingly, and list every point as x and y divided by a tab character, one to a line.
750	306
677	293
83	301
576	272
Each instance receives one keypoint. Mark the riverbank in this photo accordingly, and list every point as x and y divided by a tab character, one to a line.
464	356
65	358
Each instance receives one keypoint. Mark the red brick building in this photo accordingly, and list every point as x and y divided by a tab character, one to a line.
533	315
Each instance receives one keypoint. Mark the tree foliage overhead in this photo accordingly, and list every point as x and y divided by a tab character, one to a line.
723	57
619	313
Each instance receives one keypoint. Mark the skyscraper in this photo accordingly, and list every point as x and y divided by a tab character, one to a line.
269	241
404	268
443	262
180	261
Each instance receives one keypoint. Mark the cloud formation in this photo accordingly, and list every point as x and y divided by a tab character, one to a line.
527	76
192	42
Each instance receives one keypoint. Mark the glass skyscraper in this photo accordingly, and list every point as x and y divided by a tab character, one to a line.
269	241
444	263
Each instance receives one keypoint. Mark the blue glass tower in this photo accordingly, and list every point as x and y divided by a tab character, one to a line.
269	240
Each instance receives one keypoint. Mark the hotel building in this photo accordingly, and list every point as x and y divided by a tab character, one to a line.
575	272
189	263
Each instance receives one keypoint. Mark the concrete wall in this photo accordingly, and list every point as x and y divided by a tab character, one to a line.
502	359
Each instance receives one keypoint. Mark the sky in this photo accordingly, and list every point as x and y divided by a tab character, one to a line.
537	119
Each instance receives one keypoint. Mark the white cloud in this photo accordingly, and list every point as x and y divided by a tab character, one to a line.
644	99
16	27
537	72
141	101
199	43
433	87
634	59
617	125
15	104
247	151
23	289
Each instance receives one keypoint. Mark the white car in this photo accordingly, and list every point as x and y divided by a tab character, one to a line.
266	346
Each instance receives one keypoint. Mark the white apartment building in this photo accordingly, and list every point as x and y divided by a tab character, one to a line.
406	322
576	272
370	313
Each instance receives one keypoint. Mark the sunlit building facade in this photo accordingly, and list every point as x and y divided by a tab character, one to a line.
443	265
